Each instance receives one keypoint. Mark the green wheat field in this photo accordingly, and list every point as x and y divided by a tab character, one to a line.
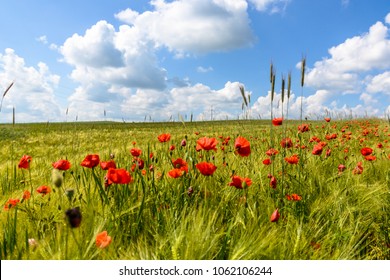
237	190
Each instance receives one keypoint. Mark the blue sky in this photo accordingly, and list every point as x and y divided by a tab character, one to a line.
158	60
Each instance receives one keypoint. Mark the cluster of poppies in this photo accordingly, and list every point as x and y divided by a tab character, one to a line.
242	148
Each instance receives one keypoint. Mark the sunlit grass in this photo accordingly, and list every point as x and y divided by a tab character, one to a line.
341	215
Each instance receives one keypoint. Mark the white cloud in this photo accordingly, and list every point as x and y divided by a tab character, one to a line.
42	39
33	91
315	106
198	100
205	26
350	62
387	18
273	6
95	49
127	16
118	70
202	69
103	56
368	99
380	83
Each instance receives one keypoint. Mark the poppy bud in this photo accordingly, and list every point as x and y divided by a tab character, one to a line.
275	216
74	217
190	191
69	193
183	143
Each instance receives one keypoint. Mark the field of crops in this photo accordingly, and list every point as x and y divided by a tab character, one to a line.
235	190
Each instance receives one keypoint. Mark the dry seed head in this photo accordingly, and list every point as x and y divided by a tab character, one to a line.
303	69
242	90
289	85
8	88
273	87
283	85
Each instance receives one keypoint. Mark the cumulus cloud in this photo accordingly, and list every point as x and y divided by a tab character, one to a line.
198	100
117	68
33	91
379	83
387	18
314	106
104	56
343	70
95	49
205	26
127	16
359	65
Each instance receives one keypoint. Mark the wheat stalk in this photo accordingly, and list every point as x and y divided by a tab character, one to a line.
283	86
242	90
4	94
303	69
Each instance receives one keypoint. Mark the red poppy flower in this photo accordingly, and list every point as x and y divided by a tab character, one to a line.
61	164
180	164
366	151
175	173
277	121
117	176
137	163
341	168
358	169
286	143
24	162
275	216
327	119
91	161
11	203
44	190
294	197
267	161
226	141
105	165
294	159
206	144
165	137
26	195
315	245
315	139
103	240
317	150
172	147
273	182
272	152
206	168
238	182
370	158
242	146
303	128
135	152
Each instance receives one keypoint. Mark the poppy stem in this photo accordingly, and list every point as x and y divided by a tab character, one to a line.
77	243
